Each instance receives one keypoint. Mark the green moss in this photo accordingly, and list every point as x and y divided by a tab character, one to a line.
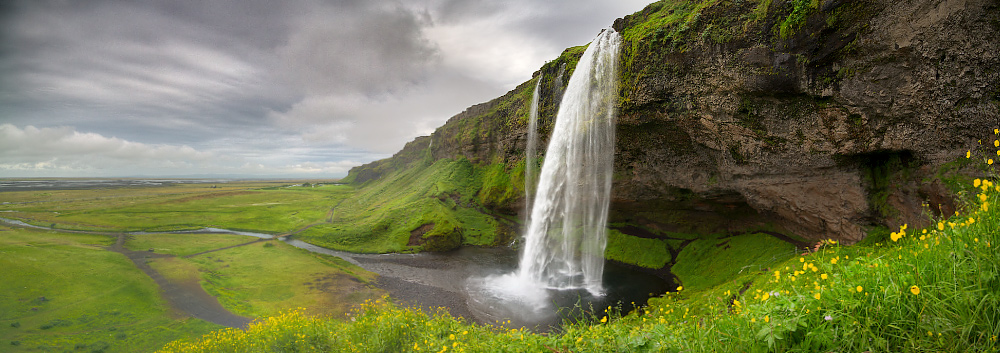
700	265
800	11
643	252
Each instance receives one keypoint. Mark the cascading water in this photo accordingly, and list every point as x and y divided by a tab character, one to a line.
557	96
566	236
564	246
529	153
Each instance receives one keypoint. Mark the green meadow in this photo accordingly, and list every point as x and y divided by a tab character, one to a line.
67	292
265	278
253	206
63	292
935	289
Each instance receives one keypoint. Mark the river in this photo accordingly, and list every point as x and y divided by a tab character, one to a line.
433	280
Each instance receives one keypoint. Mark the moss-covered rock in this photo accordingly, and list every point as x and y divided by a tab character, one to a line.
737	115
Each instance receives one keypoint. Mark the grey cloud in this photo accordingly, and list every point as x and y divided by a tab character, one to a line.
303	85
366	47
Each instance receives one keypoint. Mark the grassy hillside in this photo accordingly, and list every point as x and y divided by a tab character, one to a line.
934	289
430	206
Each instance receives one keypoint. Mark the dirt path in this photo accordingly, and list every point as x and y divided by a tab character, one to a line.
187	297
223	248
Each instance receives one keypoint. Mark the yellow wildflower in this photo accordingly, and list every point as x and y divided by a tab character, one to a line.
824	276
816	296
860	288
977	182
765	296
996	143
968	154
914	289
989	161
833	261
941	225
895	236
767	318
604	319
680	288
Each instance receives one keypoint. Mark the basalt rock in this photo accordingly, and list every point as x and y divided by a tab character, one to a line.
819	121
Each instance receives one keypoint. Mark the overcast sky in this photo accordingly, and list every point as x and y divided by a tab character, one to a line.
259	88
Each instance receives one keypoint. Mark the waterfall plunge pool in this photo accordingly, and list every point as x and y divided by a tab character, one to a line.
454	280
499	295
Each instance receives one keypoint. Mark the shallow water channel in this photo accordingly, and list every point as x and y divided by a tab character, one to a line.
432	280
442	280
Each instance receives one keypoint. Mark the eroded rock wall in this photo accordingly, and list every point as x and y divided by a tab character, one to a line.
816	121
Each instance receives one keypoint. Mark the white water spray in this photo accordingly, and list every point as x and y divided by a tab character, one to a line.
564	246
566	236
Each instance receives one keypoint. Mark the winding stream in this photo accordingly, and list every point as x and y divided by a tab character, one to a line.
430	280
425	280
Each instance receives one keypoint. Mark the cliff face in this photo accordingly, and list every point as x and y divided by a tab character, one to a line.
815	118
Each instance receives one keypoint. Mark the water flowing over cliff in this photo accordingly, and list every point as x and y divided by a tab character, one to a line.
564	246
807	119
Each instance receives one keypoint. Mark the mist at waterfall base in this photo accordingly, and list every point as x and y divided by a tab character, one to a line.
562	257
493	292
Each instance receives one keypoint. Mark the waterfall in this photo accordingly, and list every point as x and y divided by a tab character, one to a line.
564	245
566	234
558	89
529	154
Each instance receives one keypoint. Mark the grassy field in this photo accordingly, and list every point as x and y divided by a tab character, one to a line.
251	206
266	278
183	244
934	289
63	292
66	292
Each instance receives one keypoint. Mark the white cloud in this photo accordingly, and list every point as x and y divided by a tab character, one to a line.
63	151
67	149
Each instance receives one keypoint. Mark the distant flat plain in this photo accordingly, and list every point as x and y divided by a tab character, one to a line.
66	291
